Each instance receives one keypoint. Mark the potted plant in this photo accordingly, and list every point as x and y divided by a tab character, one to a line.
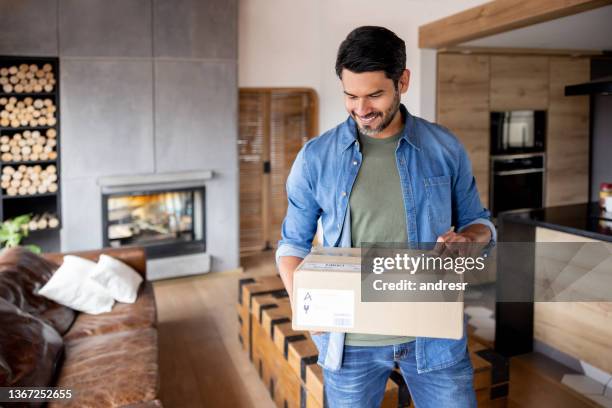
14	230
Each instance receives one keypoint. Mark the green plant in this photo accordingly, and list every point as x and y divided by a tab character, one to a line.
13	231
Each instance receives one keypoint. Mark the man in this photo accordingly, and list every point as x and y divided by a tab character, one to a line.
383	176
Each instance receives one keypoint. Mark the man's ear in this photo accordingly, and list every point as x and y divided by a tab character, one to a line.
404	81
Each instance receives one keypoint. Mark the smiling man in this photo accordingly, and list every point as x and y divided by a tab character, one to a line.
383	175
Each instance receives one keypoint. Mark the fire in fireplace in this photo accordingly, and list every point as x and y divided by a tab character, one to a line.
165	223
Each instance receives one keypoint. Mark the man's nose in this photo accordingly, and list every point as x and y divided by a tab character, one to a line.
362	108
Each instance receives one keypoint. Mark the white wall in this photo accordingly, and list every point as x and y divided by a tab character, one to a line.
294	43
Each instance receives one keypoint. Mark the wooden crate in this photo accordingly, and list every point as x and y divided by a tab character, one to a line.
249	289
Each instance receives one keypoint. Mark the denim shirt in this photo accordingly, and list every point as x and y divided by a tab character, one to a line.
438	189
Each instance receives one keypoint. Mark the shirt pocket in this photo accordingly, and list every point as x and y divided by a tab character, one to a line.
439	203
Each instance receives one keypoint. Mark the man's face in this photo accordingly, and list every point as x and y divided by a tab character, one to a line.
372	99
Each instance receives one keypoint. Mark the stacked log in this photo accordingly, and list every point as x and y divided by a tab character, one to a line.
27	78
30	145
28	180
286	360
31	112
43	221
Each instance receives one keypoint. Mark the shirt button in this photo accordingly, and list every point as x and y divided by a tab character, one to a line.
344	194
338	226
354	162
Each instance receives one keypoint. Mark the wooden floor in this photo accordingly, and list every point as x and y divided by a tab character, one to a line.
201	361
203	365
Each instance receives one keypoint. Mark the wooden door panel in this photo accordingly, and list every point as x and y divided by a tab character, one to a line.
289	130
274	125
250	156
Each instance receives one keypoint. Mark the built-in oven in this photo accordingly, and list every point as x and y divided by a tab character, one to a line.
517	182
516	132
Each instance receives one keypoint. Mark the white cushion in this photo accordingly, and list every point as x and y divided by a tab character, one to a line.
120	280
71	285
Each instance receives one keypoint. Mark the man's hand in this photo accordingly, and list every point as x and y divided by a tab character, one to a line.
286	267
469	242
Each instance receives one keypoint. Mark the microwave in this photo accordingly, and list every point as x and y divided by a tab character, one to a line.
519	131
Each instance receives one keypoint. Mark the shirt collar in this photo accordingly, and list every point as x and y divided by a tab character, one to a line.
349	134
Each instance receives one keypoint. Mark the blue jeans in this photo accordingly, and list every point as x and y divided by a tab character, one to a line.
360	382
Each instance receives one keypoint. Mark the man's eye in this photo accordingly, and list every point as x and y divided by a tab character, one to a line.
374	96
352	98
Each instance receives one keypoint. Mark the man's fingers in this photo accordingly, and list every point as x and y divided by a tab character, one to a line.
440	246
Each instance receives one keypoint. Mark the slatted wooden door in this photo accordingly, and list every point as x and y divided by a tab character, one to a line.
274	124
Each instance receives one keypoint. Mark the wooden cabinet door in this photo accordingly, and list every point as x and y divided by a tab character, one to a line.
567	144
519	82
274	125
463	107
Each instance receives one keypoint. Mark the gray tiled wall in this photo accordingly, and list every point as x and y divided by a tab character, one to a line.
81	214
107	124
28	27
192	102
147	86
105	28
196	29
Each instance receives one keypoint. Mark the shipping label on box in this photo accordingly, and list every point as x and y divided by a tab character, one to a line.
325	307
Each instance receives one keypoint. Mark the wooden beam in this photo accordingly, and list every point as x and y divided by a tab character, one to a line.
497	17
518	51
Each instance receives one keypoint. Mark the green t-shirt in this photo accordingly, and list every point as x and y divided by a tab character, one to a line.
377	212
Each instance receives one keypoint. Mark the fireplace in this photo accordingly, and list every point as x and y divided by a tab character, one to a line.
163	213
165	222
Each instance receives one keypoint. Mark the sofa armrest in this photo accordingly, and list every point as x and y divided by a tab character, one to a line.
133	256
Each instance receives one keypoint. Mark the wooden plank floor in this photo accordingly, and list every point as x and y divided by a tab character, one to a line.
201	361
203	365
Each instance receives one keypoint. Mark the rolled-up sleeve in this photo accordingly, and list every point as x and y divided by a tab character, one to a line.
467	207
303	211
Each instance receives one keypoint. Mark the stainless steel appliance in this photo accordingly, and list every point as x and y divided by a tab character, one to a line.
520	131
517	182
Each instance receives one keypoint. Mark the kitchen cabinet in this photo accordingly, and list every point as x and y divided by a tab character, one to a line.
519	83
567	151
463	107
470	86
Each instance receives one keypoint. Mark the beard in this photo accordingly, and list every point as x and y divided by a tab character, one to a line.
387	118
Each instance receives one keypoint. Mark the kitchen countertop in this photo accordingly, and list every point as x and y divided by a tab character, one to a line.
578	219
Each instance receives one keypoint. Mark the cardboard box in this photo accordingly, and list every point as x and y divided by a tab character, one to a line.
327	297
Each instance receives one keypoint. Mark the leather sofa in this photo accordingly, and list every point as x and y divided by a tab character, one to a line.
106	360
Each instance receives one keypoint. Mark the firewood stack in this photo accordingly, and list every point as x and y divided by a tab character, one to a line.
27	112
29	146
27	78
29	180
43	221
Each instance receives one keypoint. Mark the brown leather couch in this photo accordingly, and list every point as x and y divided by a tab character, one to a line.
107	360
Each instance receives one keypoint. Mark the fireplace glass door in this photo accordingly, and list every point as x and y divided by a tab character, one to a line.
164	222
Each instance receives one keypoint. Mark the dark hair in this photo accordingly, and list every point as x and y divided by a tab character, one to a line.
371	48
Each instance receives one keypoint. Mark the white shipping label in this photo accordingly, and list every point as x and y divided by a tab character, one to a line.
325	308
328	266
